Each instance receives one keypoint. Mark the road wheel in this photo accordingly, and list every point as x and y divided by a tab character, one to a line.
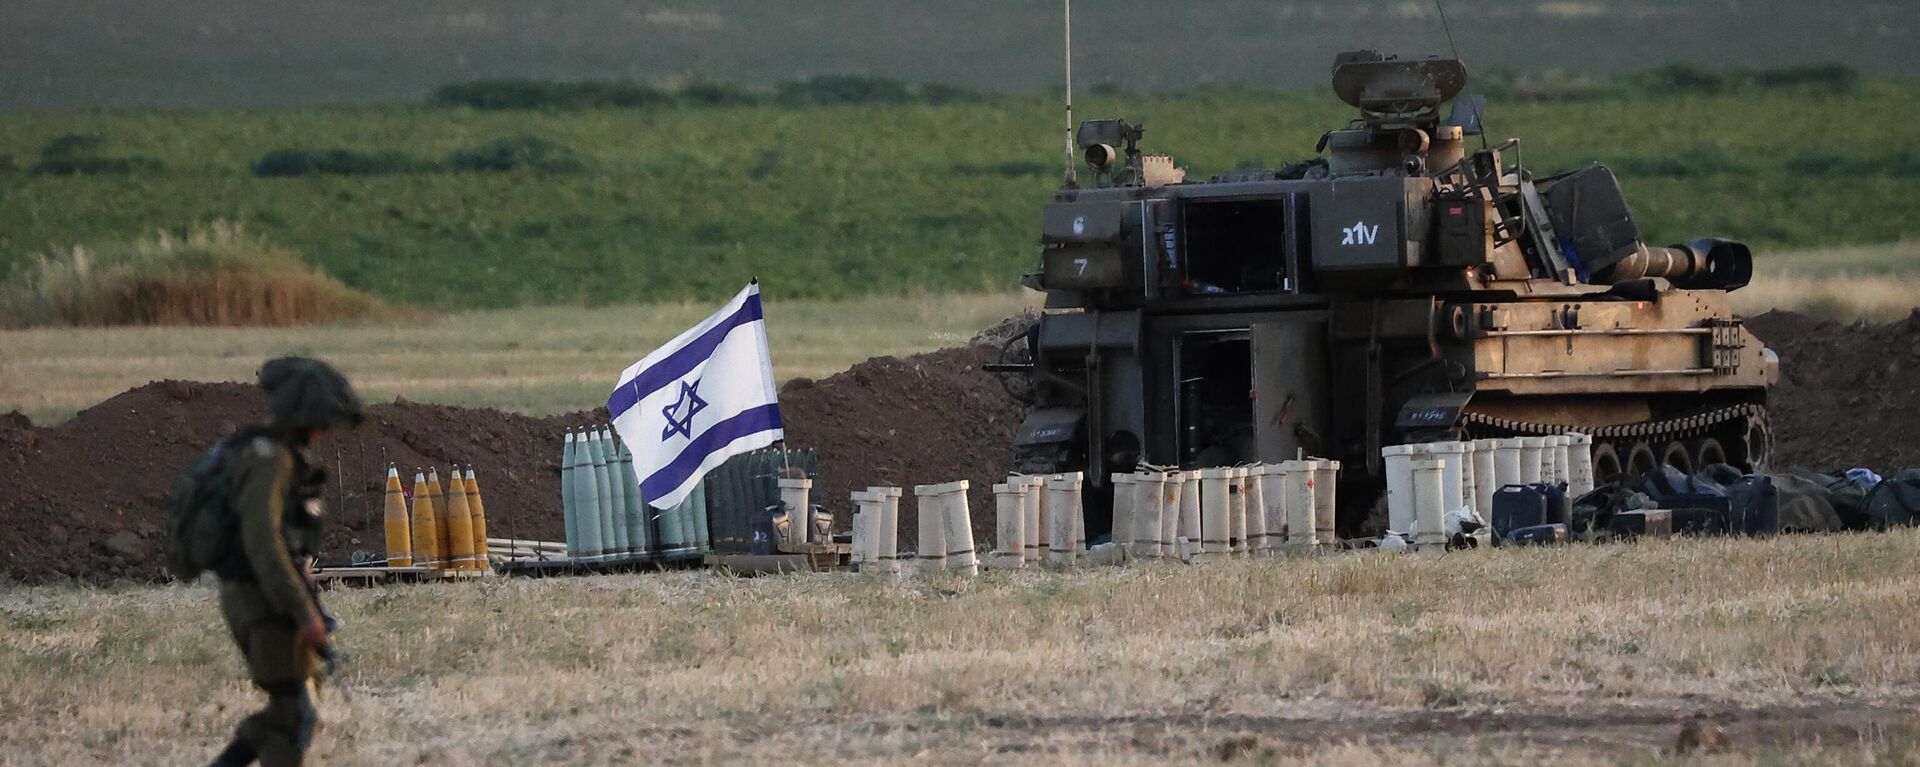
1676	455
1606	464
1706	451
1759	446
1641	460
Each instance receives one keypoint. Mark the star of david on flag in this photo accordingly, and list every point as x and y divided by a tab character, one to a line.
680	414
702	398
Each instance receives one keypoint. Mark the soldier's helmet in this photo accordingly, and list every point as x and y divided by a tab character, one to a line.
306	393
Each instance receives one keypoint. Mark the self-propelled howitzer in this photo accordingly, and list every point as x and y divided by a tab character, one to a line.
1404	287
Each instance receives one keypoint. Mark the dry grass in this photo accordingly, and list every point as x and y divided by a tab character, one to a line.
535	360
1585	653
215	275
1869	282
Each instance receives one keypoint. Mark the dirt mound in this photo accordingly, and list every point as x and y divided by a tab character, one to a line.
86	499
1847	393
922	420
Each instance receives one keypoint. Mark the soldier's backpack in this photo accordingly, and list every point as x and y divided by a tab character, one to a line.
201	523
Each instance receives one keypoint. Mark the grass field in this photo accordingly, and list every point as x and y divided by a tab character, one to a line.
562	358
860	200
1804	647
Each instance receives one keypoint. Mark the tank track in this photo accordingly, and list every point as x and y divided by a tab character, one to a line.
1735	434
1665	429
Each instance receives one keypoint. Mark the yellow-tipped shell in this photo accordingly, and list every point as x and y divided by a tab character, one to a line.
438	490
459	526
399	527
426	524
479	510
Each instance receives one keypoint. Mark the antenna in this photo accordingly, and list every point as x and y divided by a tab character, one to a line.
1478	118
1071	181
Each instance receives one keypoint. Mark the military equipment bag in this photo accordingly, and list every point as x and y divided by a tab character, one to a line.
201	523
1895	502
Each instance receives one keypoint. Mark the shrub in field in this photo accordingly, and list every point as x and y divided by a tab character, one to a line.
215	275
337	162
1697	163
704	94
1902	164
517	153
1685	78
546	94
1681	78
78	154
829	90
1006	169
1831	78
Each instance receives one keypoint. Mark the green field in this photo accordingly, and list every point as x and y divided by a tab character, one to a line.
828	202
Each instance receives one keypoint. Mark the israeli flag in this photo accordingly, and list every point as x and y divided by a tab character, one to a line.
704	397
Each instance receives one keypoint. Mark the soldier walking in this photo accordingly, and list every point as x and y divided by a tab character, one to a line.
265	593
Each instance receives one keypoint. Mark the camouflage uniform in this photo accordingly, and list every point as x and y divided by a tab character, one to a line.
264	592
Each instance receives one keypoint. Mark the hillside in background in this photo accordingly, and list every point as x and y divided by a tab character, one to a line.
464	208
241	53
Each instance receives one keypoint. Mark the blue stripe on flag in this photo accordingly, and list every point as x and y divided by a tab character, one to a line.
679	363
670	477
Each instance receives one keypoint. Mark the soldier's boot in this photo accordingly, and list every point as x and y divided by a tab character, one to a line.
281	732
239	753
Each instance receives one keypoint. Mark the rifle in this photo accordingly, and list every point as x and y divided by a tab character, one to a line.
330	656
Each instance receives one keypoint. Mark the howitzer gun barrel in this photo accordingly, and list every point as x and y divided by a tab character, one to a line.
1704	263
1671	263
